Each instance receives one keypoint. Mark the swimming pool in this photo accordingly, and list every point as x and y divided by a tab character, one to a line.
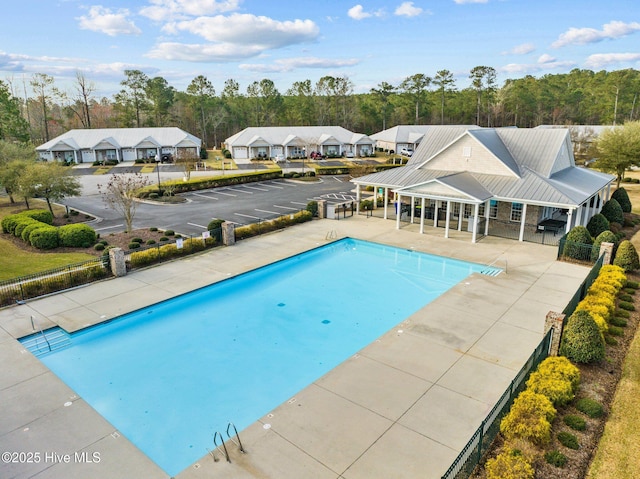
169	376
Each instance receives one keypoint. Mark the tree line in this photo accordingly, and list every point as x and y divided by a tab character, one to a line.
579	97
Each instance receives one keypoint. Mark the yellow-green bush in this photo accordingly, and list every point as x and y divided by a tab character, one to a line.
557	389
142	258
509	464
600	314
530	418
613	275
559	366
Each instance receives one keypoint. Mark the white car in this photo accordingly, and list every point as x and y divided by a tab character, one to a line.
406	152
279	158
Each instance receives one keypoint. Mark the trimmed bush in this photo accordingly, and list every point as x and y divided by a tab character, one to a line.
312	207
568	440
98	247
39	215
622	197
151	242
509	464
627	256
26	232
133	245
615	331
590	407
45	237
606	236
555	458
169	233
575	422
529	418
163	238
23	223
213	225
626	306
136	240
77	236
597	224
582	341
557	389
632	284
617	322
575	241
625	297
153	228
613	212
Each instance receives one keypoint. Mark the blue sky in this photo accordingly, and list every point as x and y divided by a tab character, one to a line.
369	41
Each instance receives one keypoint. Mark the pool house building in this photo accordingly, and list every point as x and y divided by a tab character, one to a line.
510	182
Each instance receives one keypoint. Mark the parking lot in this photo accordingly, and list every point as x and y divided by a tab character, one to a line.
241	204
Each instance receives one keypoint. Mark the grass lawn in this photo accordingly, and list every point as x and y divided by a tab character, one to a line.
15	261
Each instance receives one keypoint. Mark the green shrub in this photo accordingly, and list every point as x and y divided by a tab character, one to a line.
39	215
622	197
610	340
558	390
613	211
98	247
576	240
509	464
575	422
163	238
582	341
626	306
213	225
555	458
9	223
615	331
143	258
625	297
312	207
617	322
621	313
169	233
632	284
23	223
153	228
45	237
153	196
597	224
26	232
104	242
604	237
134	245
568	440
151	242
590	407
529	418
627	256
136	240
77	235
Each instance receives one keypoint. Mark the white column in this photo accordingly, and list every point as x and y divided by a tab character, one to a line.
398	201
474	235
487	211
569	220
413	208
522	221
422	203
608	195
386	201
358	199
446	227
460	215
435	213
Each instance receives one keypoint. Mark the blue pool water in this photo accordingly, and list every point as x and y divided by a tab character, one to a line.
169	376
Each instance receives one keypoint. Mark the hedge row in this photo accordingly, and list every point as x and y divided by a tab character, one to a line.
168	251
583	338
529	420
35	227
256	229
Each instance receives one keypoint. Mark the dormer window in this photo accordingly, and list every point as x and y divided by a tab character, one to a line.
466	151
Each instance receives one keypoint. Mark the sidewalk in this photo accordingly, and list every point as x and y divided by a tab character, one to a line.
402	407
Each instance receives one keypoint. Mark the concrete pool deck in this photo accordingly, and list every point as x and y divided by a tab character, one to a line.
403	406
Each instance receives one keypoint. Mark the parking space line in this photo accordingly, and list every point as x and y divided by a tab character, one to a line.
256	188
226	194
248	216
286	207
205	196
240	191
298	203
108	227
197	225
267	211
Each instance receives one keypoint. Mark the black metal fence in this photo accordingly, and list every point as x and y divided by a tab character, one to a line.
481	440
53	280
531	234
582	290
578	252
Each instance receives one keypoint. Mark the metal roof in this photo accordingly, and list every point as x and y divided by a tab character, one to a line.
310	135
86	139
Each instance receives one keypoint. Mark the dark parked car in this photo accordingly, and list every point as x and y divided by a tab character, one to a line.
167	158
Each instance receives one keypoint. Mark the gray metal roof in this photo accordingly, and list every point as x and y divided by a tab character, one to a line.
86	139
543	159
310	135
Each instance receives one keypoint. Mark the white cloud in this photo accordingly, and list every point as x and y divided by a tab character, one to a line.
599	60
545	63
462	2
163	10
357	13
249	30
522	49
103	20
289	64
207	53
546	58
407	9
581	36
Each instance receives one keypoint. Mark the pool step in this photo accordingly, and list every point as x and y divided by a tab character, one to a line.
45	341
491	272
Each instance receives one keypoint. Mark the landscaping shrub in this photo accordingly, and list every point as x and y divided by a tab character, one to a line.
40	215
606	236
136	240
529	418
617	322
597	224
163	238
509	464
568	440
555	458
626	306
214	224
98	247
134	245
312	207
153	228
575	241
625	297
615	331
45	237
22	223
26	232
582	340
613	211
622	197
557	389
77	236
169	233
151	242
627	256
631	284
590	407
621	313
143	258
575	422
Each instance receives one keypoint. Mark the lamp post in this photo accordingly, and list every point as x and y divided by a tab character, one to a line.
158	170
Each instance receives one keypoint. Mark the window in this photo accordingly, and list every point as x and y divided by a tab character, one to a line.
516	211
466	151
493	209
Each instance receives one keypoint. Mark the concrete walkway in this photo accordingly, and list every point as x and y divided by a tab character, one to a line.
402	407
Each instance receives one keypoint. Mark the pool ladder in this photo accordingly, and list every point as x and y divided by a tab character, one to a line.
222	447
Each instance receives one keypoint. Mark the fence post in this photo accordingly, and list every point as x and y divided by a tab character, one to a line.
480	439
228	233
117	262
606	249
554	321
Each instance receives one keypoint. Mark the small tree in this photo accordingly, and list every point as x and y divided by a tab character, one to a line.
187	163
613	212
627	256
50	181
582	341
120	194
604	237
576	241
597	224
622	197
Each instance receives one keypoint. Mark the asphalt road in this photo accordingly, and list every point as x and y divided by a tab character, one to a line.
242	204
